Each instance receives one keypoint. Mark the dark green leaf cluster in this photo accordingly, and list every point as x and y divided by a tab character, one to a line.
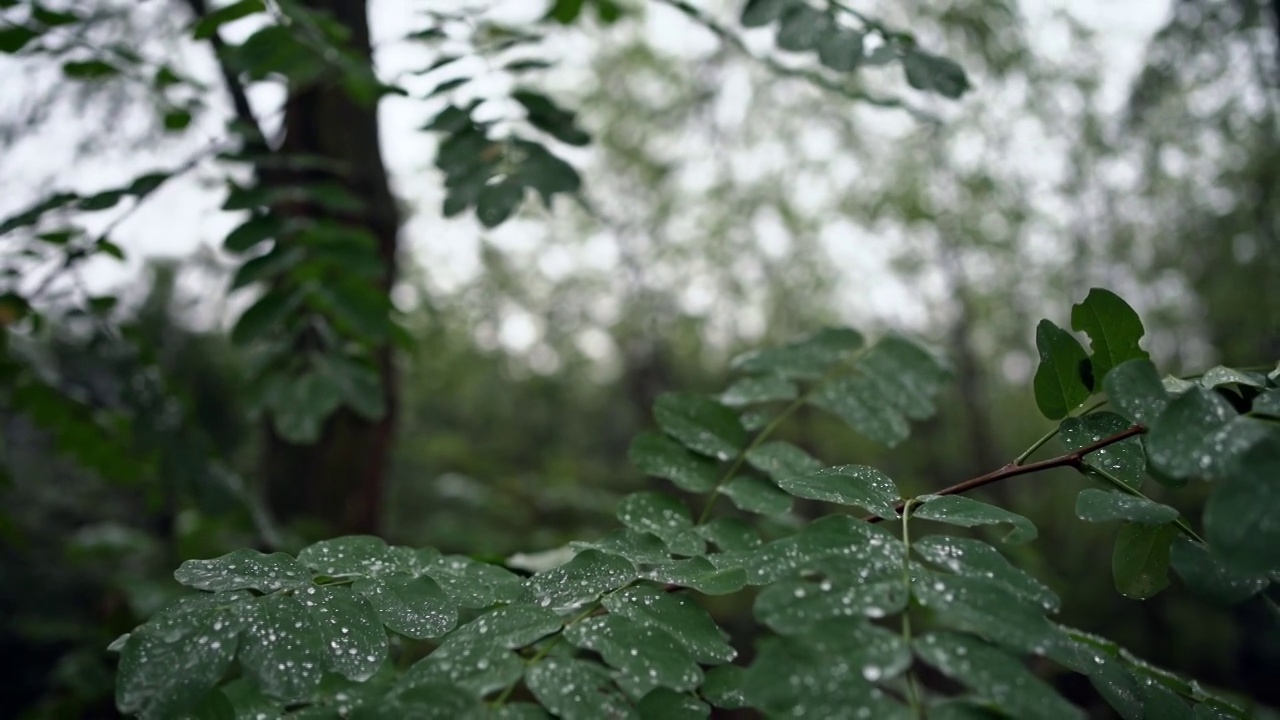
845	40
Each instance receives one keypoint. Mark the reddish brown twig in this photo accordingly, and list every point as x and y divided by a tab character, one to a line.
1072	459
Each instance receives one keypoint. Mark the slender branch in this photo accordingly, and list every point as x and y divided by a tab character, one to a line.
816	78
235	88
1073	459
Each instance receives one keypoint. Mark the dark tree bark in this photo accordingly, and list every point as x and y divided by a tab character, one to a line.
339	480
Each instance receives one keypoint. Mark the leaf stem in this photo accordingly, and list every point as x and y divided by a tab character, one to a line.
913	695
760	437
1073	459
1052	434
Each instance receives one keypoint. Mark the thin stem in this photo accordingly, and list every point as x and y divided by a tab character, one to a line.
913	695
768	430
1073	459
1051	435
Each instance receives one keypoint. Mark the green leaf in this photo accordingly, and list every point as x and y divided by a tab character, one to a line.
994	675
519	711
761	389
1059	385
101	201
208	25
1113	329
645	656
723	687
349	627
575	689
781	460
758	13
700	424
267	266
544	114
677	615
638	547
509	627
89	70
792	678
257	229
471	583
1208	576
1125	460
840	49
582	580
168	664
835	546
976	559
664	704
802	27
756	496
988	608
807	359
699	574
265	316
15	37
967	512
664	516
565	11
428	701
281	648
1240	520
414	607
1267	404
357	382
478	668
1106	672
856	485
244	570
660	456
795	606
300	405
729	534
1218	375
1140	563
498	201
926	71
1199	435
1093	505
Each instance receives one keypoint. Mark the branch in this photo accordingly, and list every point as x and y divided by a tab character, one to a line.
239	98
816	78
1072	459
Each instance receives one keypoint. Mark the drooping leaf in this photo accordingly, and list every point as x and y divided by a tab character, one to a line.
664	516
926	71
665	704
974	558
988	608
723	687
255	230
583	579
660	456
644	655
806	359
349	627
577	689
857	485
1199	435
265	316
244	570
755	495
1208	576
1059	384
679	616
1240	520
1114	330
1140	563
967	512
1106	672
780	460
497	201
1125	460
994	675
760	389
790	677
281	648
415	607
700	424
1095	505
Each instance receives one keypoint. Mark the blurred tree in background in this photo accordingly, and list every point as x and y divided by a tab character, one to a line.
726	200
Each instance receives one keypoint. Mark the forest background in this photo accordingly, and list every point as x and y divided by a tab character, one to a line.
725	205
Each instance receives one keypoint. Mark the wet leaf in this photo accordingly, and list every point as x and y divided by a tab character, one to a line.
645	656
243	570
349	627
994	675
281	647
1114	330
1059	385
780	460
1125	460
1140	563
415	607
967	512
974	558
700	424
1094	505
1209	576
583	579
679	616
856	485
660	456
664	516
756	496
577	689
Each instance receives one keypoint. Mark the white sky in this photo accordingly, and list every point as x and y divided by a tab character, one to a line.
184	216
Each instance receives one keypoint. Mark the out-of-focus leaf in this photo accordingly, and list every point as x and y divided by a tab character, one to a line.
1095	505
994	675
660	456
1208	576
1240	520
700	424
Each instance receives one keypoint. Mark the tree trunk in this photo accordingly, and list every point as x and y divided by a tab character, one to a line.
339	480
